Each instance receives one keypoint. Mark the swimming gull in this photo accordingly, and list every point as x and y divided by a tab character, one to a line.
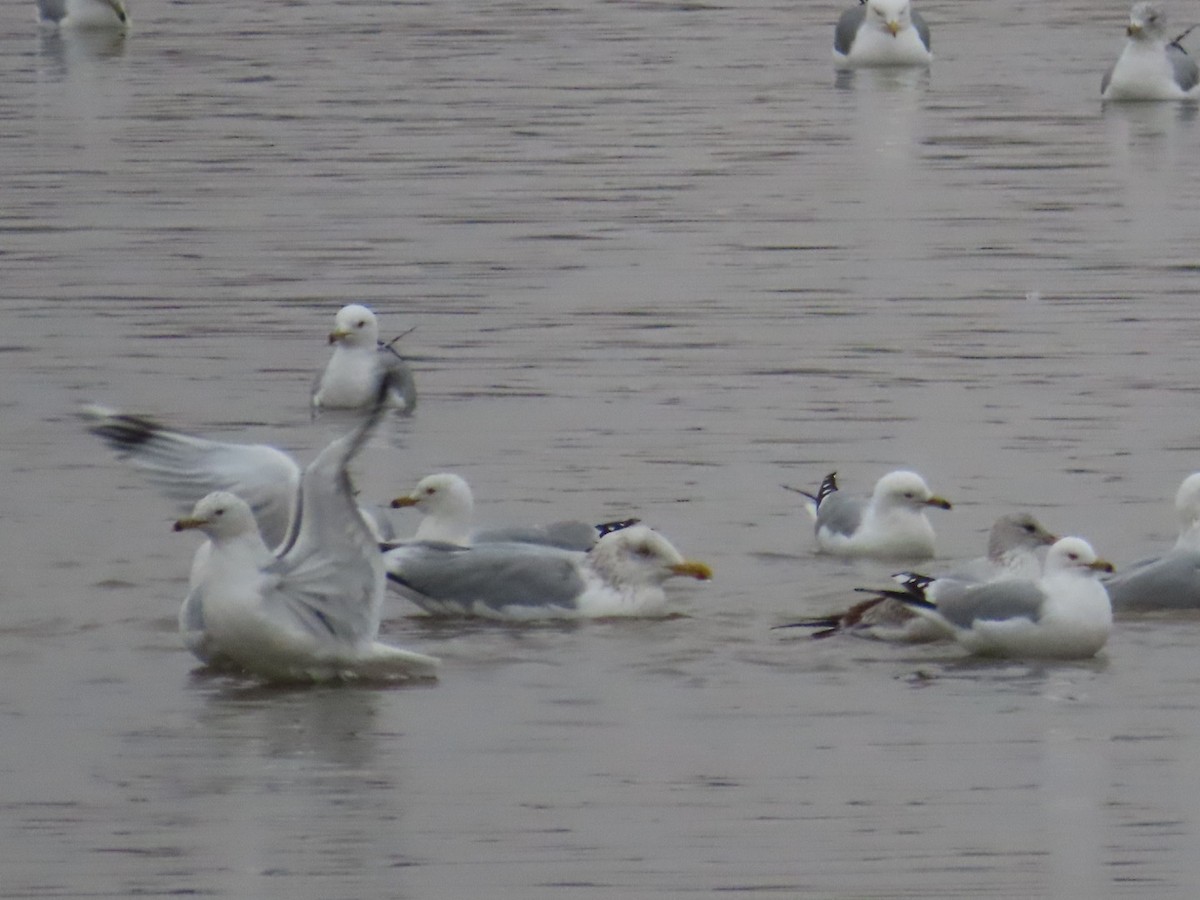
622	575
1150	66
1064	614
881	33
891	525
447	508
310	610
83	14
1170	581
1013	545
359	360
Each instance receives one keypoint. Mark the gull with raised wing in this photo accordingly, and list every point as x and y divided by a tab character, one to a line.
622	575
310	610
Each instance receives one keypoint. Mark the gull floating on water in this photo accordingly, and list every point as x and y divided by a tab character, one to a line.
622	575
1064	614
447	509
308	611
1151	67
891	525
881	33
1171	581
352	376
1013	546
85	14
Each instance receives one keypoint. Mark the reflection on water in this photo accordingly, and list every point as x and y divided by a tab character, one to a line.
660	259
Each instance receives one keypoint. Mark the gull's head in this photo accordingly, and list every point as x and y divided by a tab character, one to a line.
892	16
1072	554
1017	531
355	326
220	515
906	489
1146	22
442	494
641	556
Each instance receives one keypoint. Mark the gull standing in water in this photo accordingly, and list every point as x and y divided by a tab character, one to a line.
1013	546
1151	67
86	14
1064	614
890	525
447	509
1171	581
352	376
310	610
881	33
622	575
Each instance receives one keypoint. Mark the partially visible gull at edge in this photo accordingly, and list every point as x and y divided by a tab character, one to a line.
1170	581
309	611
1151	67
881	33
83	14
447	508
1013	545
622	575
1064	614
890	525
358	364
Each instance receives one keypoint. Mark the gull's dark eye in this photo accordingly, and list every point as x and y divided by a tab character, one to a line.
362	323
643	550
219	512
430	491
1029	529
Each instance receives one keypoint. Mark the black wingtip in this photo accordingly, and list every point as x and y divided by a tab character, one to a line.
606	528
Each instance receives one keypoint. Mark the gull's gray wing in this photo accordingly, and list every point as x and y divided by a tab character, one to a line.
847	27
962	604
443	578
396	370
1183	67
187	468
565	535
1172	582
329	574
922	27
840	514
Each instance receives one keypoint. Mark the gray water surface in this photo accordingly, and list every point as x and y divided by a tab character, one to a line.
660	260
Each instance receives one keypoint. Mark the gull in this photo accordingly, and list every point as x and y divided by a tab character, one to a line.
1170	581
1064	614
881	33
186	468
1150	67
309	610
447	507
622	575
83	14
890	525
1013	545
359	360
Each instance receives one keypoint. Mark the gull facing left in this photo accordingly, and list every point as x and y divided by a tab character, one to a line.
359	364
310	610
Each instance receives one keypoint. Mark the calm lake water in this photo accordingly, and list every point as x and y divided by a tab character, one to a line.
660	260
